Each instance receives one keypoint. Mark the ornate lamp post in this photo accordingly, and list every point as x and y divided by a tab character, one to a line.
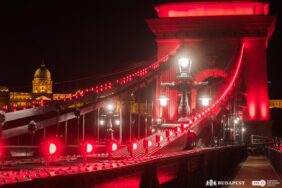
109	118
77	115
184	86
110	110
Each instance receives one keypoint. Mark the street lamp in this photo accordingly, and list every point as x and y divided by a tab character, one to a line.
117	122
243	130
77	115
163	100
205	101
102	122
109	118
236	120
184	65
110	108
184	86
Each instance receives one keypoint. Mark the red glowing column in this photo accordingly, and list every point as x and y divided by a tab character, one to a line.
256	80
165	47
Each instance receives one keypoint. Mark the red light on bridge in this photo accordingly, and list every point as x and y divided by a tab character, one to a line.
114	146
89	148
86	147
131	147
134	146
168	133
52	148
159	138
146	145
177	130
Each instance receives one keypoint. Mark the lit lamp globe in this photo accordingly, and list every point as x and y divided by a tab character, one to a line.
183	62
110	107
184	65
163	100
205	101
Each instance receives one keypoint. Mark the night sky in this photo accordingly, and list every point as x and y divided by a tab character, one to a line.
87	38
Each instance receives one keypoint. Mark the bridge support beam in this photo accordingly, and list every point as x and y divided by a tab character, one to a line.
256	79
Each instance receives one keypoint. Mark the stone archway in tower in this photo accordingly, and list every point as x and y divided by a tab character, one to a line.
200	77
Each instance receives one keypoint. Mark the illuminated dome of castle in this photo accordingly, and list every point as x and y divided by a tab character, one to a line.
42	73
42	82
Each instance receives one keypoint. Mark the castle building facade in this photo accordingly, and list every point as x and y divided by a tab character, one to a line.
42	92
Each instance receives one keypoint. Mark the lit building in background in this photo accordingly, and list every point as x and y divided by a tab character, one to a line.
42	92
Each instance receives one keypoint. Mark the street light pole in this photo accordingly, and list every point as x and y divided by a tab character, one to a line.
77	114
130	120
120	124
185	84
98	124
146	118
110	111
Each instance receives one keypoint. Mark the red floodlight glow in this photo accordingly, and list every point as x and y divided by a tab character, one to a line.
86	147
159	138
114	146
52	148
134	146
149	143
178	129
89	148
191	9
168	133
131	147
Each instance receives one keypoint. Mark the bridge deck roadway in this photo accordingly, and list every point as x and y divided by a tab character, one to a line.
257	168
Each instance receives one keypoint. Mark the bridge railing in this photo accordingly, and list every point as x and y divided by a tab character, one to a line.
193	168
275	157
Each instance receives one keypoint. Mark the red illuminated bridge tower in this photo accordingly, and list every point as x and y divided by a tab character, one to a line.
211	33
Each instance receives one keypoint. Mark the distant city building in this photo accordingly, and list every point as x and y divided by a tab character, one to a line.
42	91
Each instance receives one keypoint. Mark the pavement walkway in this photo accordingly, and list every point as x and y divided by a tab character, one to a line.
259	169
